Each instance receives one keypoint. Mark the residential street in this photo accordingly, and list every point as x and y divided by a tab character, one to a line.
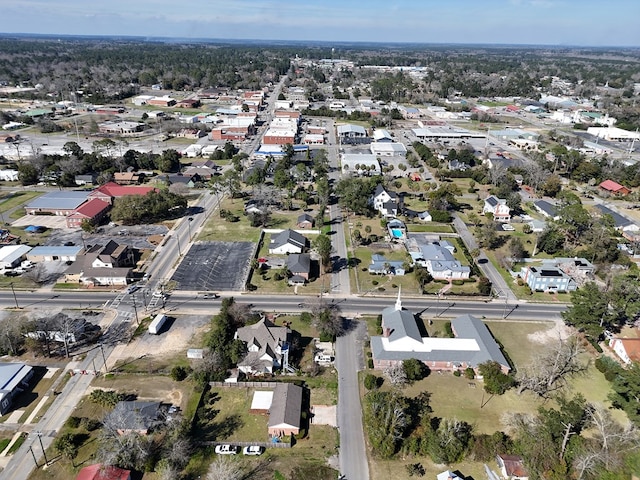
350	360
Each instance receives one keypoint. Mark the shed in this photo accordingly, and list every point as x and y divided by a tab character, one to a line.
13	378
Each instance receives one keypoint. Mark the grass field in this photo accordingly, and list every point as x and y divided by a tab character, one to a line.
481	410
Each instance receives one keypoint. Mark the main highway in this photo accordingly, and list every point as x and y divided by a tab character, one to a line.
354	306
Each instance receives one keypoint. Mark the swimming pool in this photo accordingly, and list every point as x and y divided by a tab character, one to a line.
396	232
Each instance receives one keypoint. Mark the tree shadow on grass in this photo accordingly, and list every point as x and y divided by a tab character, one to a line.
222	429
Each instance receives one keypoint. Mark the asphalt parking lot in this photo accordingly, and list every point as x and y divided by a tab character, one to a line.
215	266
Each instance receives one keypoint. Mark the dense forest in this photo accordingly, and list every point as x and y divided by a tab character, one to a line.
114	69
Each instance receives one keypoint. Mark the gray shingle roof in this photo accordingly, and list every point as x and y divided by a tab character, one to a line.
286	406
618	220
288	236
299	262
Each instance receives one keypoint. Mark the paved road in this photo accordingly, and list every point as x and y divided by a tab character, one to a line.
349	360
21	463
192	303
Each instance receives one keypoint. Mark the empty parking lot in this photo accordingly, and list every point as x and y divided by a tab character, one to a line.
215	266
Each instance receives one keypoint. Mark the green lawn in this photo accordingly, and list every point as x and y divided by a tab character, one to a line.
218	229
10	200
429	228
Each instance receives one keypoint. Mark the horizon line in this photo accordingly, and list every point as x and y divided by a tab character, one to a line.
151	38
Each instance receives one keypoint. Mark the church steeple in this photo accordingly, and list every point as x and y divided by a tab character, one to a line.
398	301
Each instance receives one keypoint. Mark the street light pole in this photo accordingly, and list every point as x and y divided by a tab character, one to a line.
103	357
178	239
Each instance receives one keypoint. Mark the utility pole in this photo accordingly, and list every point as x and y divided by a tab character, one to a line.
14	295
178	239
103	357
39	434
190	219
135	308
35	460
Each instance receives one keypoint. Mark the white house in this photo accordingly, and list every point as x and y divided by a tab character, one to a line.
628	349
266	346
498	207
288	241
387	203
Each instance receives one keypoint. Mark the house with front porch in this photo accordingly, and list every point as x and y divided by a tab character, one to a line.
498	208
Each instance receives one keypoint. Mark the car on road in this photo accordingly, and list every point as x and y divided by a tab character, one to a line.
253	450
132	288
158	294
226	449
210	295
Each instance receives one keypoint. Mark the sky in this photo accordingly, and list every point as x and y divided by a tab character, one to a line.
539	22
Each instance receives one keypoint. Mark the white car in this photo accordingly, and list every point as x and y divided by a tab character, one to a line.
158	294
226	449
253	450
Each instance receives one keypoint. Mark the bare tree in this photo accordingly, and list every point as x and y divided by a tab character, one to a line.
128	450
38	274
12	334
607	447
326	317
396	375
551	369
223	468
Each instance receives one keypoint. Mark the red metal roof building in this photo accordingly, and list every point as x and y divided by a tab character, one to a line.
614	187
111	190
94	210
100	472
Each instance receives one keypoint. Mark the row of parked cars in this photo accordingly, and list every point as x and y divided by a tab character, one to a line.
234	450
14	272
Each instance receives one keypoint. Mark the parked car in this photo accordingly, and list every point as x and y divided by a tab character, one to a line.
11	273
226	449
253	450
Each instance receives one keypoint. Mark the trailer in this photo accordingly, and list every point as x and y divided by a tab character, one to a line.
158	322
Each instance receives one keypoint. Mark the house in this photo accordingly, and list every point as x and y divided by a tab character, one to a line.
457	165
127	178
512	467
614	188
628	349
14	378
401	340
285	412
288	241
424	216
547	279
620	222
267	347
12	255
438	260
93	211
136	416
305	221
85	179
381	266
537	226
382	135
387	203
546	209
299	265
498	207
102	265
103	472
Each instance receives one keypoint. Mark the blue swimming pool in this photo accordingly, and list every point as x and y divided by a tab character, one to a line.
396	232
